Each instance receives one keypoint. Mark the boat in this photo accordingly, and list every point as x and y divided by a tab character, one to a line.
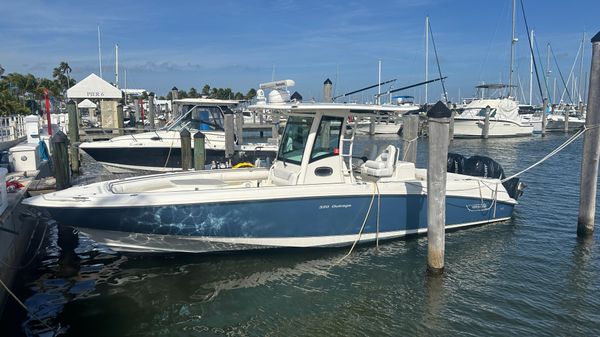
315	194
555	122
387	122
160	150
504	119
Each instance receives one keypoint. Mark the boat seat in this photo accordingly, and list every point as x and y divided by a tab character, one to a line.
383	165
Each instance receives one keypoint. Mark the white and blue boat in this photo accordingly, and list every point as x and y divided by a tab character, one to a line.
314	195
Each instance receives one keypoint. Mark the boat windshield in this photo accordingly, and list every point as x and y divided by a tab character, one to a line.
203	118
294	139
327	143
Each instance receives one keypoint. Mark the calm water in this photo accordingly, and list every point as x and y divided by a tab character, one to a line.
527	276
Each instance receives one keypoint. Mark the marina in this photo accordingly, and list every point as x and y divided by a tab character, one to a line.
204	180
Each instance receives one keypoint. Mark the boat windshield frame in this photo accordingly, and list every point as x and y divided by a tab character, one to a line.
186	119
295	138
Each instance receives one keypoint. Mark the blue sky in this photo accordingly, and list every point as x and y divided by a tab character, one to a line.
239	44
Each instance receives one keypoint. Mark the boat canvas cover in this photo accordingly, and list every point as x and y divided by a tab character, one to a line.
506	109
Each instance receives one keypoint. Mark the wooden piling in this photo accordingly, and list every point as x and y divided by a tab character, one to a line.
151	111
174	105
120	122
229	133
372	125
73	135
275	126
485	132
199	150
591	148
60	160
438	122
566	121
239	127
544	115
410	132
186	149
451	127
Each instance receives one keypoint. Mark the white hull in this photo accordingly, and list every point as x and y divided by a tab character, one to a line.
473	128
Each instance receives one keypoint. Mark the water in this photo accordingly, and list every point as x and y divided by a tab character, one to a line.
527	276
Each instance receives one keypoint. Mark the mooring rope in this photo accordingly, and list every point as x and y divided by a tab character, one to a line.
555	151
362	227
25	307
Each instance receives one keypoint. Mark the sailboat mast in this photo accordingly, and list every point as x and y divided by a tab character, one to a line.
117	66
579	89
379	85
548	71
426	54
512	49
99	52
531	72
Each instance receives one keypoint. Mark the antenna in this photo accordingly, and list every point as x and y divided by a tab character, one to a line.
117	65
379	81
99	52
426	54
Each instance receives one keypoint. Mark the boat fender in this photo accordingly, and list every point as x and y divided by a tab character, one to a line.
243	165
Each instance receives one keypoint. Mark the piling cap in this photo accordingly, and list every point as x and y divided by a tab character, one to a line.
185	133
71	102
174	89
439	110
199	135
327	81
596	38
151	93
59	137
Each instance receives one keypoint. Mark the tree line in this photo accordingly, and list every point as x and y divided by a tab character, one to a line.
216	93
21	94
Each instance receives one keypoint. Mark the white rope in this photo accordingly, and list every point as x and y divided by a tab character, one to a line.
555	151
25	307
362	227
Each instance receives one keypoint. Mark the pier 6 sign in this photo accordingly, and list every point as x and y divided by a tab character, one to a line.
94	94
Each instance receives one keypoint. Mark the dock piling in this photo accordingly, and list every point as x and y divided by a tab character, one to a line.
438	122
151	111
410	132
60	159
591	148
199	150
485	133
239	127
174	105
120	123
186	149
544	115
73	135
566	121
229	133
451	128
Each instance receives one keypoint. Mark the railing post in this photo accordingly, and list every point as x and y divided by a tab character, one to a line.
591	148
438	122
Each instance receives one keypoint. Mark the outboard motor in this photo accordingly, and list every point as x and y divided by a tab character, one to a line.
481	166
456	163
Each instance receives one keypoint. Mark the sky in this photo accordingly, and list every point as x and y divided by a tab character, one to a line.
239	44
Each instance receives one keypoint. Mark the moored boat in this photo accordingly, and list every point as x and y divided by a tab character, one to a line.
314	195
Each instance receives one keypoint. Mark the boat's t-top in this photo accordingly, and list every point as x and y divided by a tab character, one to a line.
314	148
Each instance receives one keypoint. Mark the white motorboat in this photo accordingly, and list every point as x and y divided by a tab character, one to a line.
504	119
312	196
161	150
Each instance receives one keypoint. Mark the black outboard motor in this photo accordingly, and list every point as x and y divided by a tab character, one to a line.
456	163
481	166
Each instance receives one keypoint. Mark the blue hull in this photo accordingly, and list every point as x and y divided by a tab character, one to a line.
283	218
